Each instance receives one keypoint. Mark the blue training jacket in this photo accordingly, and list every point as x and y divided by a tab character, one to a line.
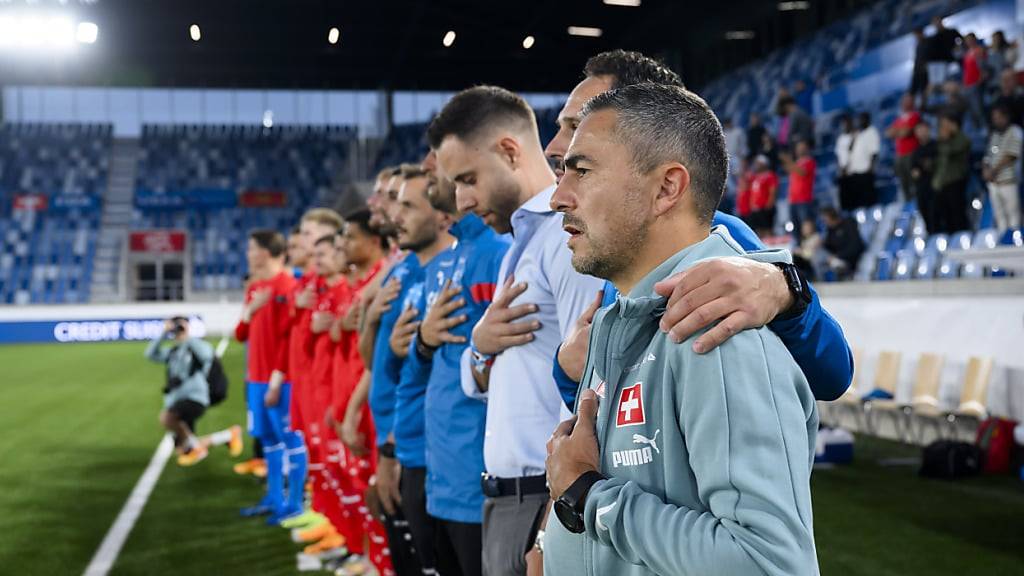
815	339
454	423
386	367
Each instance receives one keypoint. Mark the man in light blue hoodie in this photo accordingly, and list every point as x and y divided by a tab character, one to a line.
676	462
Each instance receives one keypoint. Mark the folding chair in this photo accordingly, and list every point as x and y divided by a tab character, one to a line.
887	374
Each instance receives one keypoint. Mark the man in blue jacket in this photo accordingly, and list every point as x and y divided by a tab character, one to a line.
737	293
422	231
459	285
677	462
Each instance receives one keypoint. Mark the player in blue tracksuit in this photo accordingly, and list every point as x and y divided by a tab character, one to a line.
454	422
814	338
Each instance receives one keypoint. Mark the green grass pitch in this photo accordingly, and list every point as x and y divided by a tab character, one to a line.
78	426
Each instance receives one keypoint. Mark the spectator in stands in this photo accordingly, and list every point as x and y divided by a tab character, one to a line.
942	45
1000	169
844	142
843	243
795	125
1011	96
801	186
769	150
755	134
736	146
974	77
919	77
922	169
763	188
950	180
863	158
803	94
1002	55
954	102
902	133
743	191
806	254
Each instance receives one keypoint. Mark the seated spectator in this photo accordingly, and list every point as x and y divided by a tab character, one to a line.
801	185
950	180
844	142
861	170
807	253
974	77
763	188
954	103
922	170
803	94
902	133
843	243
1011	96
1000	169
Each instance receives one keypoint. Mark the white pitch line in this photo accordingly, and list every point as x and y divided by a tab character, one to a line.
110	548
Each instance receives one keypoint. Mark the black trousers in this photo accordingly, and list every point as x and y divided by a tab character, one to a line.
458	548
950	208
413	488
403	556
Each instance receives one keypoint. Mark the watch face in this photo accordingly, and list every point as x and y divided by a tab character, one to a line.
569	517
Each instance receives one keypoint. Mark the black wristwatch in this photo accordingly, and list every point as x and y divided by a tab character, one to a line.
570	505
425	350
798	287
387	450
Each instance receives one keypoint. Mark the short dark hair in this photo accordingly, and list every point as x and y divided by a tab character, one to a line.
662	123
270	240
831	213
1003	108
474	110
361	218
952	117
627	68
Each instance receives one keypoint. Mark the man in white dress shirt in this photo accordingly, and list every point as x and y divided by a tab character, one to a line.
487	142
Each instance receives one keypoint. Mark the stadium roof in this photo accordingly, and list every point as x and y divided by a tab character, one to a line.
397	44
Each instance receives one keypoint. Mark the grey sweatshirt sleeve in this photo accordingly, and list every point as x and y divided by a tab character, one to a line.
156	352
746	424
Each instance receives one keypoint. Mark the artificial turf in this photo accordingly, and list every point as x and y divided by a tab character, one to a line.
78	426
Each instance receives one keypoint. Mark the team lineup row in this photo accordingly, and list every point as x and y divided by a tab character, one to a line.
582	370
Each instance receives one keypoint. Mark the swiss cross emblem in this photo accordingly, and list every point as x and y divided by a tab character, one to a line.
631	406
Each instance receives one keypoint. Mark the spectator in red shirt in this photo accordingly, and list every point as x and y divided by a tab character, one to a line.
743	190
902	133
763	187
974	76
801	186
265	325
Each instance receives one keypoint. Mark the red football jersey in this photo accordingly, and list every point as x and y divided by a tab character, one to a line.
300	355
330	299
348	364
267	333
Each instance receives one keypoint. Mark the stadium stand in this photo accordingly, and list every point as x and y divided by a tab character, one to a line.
219	182
52	178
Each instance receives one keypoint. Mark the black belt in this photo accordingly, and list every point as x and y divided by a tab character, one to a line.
495	487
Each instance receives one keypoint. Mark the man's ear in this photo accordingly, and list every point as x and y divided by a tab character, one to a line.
674	185
509	150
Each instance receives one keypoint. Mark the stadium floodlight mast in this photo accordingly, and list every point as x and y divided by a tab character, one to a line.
44	31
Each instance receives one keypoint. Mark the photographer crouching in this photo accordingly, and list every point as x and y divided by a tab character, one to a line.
187	391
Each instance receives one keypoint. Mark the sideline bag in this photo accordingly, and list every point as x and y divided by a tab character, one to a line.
995	439
947	459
